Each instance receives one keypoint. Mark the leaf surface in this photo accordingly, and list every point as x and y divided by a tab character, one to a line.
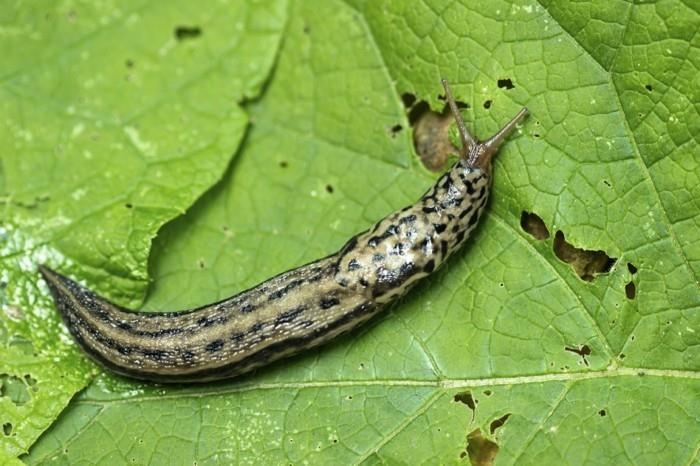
505	343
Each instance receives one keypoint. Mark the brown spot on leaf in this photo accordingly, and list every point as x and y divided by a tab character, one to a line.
533	224
587	264
481	451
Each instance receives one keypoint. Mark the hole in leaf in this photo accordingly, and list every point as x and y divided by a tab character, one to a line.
467	399
329	189
13	388
631	267
648	87
534	225
283	164
583	351
481	451
408	99
187	32
602	413
496	424
200	263
488	392
630	290
506	83
394	130
487	104
31	382
607	183
587	264
128	205
7	429
622	356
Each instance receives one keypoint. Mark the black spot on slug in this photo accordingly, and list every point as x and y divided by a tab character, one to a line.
214	346
430	266
353	265
247	308
328	302
439	227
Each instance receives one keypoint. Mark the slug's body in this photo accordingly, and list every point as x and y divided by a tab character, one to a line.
295	310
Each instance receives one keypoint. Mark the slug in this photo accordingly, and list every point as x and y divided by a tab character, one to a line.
298	309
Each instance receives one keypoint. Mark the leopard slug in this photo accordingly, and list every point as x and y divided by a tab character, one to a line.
298	309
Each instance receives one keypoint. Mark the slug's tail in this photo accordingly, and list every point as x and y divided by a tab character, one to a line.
480	153
120	340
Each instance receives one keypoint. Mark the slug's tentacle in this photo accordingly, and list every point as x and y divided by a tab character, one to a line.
300	308
480	153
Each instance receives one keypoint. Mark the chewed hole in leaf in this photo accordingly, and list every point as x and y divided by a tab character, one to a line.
497	423
533	224
632	268
506	83
7	429
602	413
648	87
481	451
630	290
467	399
187	32
487	104
394	130
587	264
430	132
582	351
14	388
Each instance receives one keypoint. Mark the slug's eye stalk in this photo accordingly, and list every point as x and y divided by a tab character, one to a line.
479	153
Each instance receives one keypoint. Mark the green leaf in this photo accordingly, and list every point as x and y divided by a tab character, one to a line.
505	351
117	116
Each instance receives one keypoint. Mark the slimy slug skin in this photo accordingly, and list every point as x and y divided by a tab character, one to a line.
298	309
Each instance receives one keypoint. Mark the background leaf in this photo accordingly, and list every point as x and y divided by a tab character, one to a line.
505	343
117	116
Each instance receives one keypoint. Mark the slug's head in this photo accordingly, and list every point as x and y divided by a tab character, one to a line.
479	153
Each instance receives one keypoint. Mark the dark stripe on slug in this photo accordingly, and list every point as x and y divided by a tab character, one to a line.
154	354
215	346
328	302
247	308
266	354
208	321
289	316
277	294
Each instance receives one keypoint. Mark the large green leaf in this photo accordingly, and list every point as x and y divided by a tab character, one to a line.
505	345
117	116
